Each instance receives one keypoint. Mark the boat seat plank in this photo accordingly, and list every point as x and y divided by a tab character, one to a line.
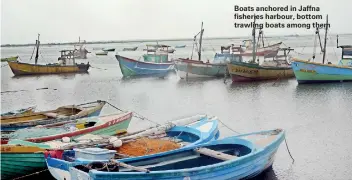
215	154
140	169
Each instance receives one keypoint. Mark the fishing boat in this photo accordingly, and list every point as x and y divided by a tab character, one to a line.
180	46
130	49
109	49
188	68
203	130
253	71
102	53
131	67
99	125
66	65
18	161
236	157
61	114
12	58
80	52
23	111
21	159
307	71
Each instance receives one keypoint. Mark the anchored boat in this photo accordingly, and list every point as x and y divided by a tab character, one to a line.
66	65
253	71
155	64
61	114
19	159
203	130
307	71
236	157
188	68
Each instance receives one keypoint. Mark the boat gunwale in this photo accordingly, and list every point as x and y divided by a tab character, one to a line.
257	66
320	64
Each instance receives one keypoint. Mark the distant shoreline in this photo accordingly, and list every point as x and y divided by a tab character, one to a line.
145	40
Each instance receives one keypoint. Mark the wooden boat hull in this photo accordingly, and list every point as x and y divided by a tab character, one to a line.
198	69
110	125
17	161
109	50
310	72
130	67
237	157
25	111
202	132
241	71
36	69
41	118
13	58
22	160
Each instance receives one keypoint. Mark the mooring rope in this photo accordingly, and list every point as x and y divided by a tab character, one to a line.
228	127
134	114
288	150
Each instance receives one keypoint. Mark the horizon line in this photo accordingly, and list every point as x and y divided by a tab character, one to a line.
146	40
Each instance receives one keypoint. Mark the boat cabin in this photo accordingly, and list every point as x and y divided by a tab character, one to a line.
157	53
346	59
67	57
229	53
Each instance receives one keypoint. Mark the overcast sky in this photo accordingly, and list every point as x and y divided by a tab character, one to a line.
93	20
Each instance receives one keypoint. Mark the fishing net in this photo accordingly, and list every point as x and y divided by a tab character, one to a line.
145	146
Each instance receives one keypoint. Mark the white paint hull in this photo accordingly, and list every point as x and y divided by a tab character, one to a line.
59	174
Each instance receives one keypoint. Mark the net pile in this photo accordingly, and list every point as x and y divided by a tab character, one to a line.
145	146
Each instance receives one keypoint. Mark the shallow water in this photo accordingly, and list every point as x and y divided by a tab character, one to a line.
317	118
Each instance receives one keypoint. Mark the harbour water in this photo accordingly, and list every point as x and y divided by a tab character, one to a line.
317	118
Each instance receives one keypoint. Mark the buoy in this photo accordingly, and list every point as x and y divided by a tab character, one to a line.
117	143
112	139
66	139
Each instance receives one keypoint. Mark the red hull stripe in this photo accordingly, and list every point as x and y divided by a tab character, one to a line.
110	120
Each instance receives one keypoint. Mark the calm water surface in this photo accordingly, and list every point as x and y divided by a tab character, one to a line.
317	118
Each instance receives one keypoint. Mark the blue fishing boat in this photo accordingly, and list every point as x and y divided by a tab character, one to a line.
131	67
203	130
236	157
313	72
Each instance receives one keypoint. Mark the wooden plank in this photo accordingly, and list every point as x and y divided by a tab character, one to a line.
215	154
131	167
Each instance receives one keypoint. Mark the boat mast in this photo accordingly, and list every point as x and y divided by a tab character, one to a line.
200	43
326	32
254	43
37	53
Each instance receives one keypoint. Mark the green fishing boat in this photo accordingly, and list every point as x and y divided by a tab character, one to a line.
23	157
12	58
17	161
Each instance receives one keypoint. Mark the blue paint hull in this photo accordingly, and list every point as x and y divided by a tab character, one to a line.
130	67
249	157
194	134
310	72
